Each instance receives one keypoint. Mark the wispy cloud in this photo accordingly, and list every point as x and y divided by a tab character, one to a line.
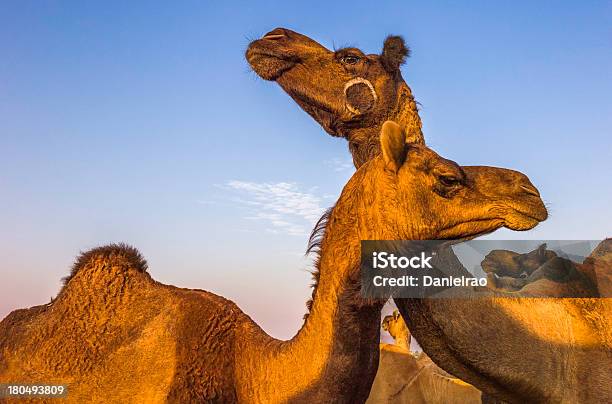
282	205
340	164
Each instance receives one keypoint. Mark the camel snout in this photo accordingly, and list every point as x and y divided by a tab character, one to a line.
532	197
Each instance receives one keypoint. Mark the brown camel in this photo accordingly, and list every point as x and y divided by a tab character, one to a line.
348	92
539	273
114	332
396	327
566	362
412	378
510	263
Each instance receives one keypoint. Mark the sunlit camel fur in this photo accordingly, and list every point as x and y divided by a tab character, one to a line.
412	378
348	92
112	325
516	350
396	327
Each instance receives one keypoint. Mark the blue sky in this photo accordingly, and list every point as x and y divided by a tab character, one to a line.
142	123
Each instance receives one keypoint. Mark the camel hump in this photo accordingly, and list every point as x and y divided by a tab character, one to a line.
114	257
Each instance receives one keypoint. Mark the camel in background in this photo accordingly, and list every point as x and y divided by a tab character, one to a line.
411	377
396	327
540	273
112	325
516	350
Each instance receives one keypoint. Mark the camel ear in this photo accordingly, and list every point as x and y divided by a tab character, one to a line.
394	53
393	145
542	250
395	314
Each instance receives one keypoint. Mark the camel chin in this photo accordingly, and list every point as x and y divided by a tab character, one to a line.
520	222
270	68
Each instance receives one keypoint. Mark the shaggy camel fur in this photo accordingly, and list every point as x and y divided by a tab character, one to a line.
409	378
566	362
114	332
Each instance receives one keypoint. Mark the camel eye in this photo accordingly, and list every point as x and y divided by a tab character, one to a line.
449	180
350	59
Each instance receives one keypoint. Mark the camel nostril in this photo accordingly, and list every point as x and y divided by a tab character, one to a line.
275	34
530	190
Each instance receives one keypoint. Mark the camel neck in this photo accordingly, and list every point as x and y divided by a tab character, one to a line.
406	114
335	353
453	335
364	142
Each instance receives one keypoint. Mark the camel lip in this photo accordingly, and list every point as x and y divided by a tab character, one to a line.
527	220
266	54
533	214
269	65
453	241
269	49
450	241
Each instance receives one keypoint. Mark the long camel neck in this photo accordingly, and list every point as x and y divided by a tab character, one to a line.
334	356
460	336
364	142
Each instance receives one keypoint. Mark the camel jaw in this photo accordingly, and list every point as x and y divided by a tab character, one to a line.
522	218
269	67
519	221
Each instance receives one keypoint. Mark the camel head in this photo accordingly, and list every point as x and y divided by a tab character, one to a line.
389	323
394	324
418	195
510	263
346	91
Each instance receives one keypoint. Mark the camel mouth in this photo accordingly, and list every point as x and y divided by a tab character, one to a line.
523	216
519	220
535	216
469	230
268	61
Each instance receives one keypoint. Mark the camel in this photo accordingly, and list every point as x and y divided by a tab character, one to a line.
396	327
553	350
350	94
113	325
412	378
515	265
539	273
